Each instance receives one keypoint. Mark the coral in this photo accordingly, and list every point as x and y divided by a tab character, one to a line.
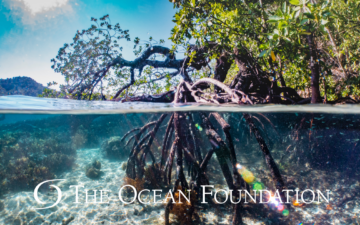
137	183
32	151
124	165
96	164
30	154
113	149
92	170
58	161
24	174
92	173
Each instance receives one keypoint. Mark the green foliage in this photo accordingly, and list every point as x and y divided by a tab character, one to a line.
92	50
276	31
20	86
89	74
48	93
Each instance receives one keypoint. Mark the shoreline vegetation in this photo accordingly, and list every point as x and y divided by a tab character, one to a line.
20	85
294	52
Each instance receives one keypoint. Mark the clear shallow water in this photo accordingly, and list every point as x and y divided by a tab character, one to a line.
314	147
33	105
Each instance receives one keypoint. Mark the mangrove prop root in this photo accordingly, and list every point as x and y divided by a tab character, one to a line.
179	137
206	160
201	176
129	140
189	141
220	149
262	125
237	218
142	130
179	93
226	128
165	142
193	132
152	137
267	119
170	161
139	145
129	132
130	169
279	183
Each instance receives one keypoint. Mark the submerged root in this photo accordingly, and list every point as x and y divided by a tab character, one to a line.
186	139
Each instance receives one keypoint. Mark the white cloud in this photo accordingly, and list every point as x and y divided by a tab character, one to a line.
42	28
33	12
37	6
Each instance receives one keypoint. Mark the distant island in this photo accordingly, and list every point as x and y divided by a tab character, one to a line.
20	86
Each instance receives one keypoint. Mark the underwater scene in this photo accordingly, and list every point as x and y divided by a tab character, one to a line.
79	162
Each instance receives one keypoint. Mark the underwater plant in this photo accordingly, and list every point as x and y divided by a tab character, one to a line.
182	209
93	170
137	183
154	176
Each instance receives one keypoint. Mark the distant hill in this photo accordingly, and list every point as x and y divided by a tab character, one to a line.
20	86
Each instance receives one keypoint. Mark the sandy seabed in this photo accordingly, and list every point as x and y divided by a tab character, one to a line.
20	208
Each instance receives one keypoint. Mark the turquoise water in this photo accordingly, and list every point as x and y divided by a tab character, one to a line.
83	143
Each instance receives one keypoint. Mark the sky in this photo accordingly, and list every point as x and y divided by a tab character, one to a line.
32	31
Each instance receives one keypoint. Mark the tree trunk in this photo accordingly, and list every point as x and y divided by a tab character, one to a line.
314	65
222	67
281	78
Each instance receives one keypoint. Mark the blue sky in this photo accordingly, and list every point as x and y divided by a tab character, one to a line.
32	31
